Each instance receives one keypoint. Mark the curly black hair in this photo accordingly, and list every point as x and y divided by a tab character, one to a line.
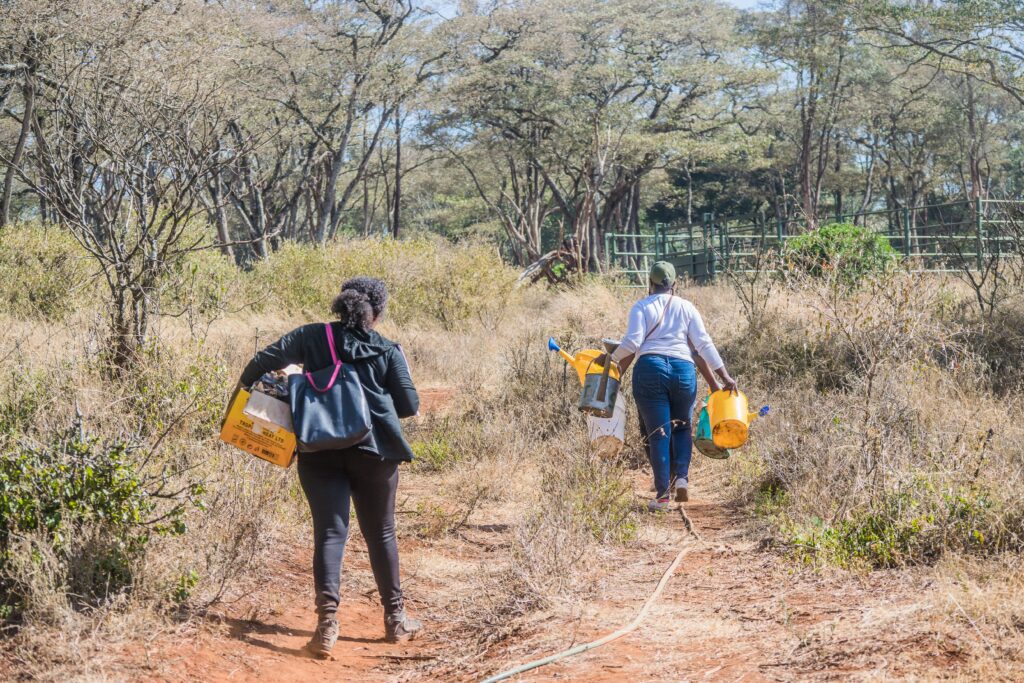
361	300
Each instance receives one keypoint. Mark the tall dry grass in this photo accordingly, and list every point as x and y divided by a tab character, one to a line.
512	437
893	438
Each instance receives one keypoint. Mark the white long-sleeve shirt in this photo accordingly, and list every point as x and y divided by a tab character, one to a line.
681	328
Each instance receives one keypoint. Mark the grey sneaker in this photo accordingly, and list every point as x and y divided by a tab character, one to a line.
659	505
324	638
399	628
682	491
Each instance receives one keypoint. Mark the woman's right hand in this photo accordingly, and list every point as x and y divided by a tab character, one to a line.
728	383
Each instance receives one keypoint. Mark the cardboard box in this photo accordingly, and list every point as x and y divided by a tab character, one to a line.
258	435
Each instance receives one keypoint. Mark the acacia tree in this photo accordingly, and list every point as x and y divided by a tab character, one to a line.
572	104
810	43
124	142
982	39
342	69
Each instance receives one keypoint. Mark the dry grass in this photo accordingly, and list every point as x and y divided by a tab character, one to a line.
893	440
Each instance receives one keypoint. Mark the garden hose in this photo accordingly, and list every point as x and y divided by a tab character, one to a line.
632	626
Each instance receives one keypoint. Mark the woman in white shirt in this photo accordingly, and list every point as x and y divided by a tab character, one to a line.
663	333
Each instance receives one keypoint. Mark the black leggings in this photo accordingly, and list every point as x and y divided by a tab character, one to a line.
328	479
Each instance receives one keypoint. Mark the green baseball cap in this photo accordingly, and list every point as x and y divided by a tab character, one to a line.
662	273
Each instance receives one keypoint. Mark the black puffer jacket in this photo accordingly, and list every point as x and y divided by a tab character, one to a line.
379	362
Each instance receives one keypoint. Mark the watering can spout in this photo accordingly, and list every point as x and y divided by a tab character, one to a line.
759	413
582	362
574	362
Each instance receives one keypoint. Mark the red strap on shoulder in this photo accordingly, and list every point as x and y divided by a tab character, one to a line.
330	343
334	357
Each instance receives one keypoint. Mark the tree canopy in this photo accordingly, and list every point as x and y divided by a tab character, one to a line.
171	125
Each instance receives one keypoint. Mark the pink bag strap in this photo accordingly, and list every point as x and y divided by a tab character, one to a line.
330	342
334	357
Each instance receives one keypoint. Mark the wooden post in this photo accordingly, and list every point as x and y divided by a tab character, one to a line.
906	232
706	234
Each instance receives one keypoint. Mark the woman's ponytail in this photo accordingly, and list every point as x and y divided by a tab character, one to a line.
361	301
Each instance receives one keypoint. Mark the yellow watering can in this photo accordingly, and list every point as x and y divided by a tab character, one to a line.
583	362
600	383
730	421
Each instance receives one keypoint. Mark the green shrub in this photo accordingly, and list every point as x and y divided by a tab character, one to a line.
179	389
914	524
77	487
850	251
206	286
43	272
435	445
428	279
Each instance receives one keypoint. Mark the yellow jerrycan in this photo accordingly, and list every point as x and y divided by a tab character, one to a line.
730	420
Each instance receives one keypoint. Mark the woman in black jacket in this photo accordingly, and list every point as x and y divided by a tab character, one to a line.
366	473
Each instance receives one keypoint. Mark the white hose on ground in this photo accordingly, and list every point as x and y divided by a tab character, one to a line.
611	636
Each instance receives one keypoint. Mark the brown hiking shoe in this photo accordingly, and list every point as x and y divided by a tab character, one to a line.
324	638
682	490
399	628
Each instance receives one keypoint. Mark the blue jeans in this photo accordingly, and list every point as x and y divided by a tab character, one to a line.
665	390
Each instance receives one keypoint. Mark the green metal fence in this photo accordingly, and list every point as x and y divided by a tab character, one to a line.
947	237
630	254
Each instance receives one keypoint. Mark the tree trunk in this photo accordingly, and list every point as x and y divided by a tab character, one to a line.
396	222
973	144
325	208
19	148
220	219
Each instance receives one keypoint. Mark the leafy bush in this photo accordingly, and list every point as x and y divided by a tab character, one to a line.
854	252
77	487
205	286
177	388
435	445
41	270
912	525
428	279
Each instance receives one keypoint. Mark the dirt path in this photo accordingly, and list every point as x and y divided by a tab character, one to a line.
732	612
735	613
250	641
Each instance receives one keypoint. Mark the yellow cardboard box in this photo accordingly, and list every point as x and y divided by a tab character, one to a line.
271	442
